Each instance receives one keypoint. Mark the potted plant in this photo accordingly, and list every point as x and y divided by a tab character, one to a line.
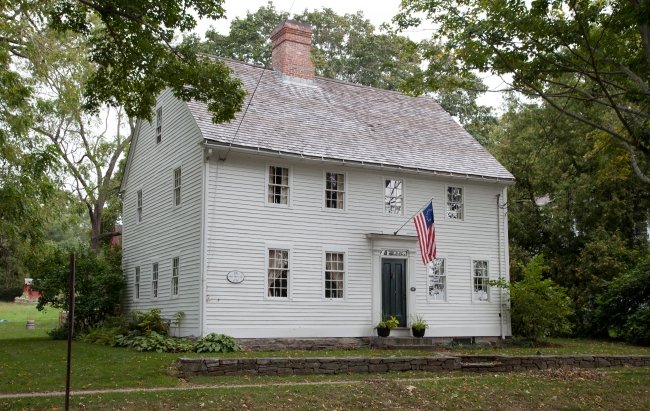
419	326
386	324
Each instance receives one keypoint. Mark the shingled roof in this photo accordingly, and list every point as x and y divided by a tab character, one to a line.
336	120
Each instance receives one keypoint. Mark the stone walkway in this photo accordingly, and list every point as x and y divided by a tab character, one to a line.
233	386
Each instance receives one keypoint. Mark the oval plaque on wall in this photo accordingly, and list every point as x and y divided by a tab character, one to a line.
235	276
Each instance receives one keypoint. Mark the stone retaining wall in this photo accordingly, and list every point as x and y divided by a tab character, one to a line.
307	366
497	363
469	363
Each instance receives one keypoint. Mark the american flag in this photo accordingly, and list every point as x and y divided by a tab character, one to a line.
426	233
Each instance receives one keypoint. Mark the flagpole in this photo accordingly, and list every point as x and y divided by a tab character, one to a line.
421	208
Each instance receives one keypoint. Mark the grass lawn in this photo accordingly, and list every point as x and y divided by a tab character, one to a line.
618	389
31	362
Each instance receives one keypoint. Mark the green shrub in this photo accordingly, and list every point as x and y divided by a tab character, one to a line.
149	320
98	283
61	333
624	309
8	295
539	307
216	343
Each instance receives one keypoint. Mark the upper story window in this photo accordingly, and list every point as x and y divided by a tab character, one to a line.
136	291
159	125
438	280
334	275
278	185
154	280
177	187
393	196
278	273
480	277
175	274
455	202
139	206
334	190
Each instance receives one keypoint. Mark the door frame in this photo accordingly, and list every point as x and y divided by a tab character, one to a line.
379	243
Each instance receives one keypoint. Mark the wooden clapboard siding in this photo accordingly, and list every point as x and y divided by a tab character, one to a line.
165	231
240	224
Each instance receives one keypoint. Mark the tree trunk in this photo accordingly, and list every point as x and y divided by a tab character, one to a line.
95	231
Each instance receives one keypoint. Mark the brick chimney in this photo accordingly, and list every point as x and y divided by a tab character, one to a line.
291	42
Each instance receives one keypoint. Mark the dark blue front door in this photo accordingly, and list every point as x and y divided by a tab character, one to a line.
393	289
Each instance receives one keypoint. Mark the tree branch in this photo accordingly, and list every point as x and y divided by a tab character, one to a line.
635	166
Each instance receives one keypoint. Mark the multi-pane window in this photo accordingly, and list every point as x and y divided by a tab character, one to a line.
278	185
334	190
437	280
154	281
139	208
393	196
278	277
334	275
480	276
137	283
159	125
175	269
177	187
455	203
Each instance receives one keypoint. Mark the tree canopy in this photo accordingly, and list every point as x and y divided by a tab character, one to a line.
130	44
588	60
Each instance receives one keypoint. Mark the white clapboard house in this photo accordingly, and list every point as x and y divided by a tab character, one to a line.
281	223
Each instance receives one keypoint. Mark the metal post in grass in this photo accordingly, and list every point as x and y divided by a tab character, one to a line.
70	330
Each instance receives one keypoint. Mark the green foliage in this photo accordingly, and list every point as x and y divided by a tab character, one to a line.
418	323
123	78
216	343
539	308
150	320
152	341
8	295
61	332
566	53
98	283
387	321
623	308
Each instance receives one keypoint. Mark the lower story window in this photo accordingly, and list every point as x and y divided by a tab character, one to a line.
334	275
137	283
278	273
154	281
175	272
437	280
480	276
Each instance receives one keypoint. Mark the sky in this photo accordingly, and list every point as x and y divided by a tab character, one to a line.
377	11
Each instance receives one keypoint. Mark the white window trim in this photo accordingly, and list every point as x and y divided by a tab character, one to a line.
152	298
464	202
266	186
344	251
383	196
471	278
137	296
173	189
139	220
278	246
345	192
446	299
171	274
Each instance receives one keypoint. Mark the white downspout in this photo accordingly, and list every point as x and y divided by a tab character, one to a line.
503	337
204	256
